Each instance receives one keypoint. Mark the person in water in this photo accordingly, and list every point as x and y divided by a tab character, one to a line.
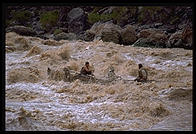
87	69
142	74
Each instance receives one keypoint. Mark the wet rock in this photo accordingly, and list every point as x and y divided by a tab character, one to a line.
154	37
145	33
141	42
174	39
22	30
65	36
145	42
110	35
187	36
36	25
88	35
160	39
157	25
181	38
169	28
128	35
180	94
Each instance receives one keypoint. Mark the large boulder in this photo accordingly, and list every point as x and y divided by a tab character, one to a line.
181	38
147	42
76	20
110	35
187	37
128	35
145	33
142	42
108	32
175	40
22	30
65	36
158	38
152	37
88	35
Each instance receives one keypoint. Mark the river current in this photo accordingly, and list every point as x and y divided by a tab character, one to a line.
35	102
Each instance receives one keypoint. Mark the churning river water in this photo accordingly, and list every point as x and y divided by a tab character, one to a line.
35	102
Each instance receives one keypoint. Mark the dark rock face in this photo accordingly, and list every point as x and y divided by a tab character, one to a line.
76	20
22	30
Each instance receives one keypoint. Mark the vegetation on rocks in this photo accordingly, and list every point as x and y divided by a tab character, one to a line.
93	22
20	17
116	15
49	19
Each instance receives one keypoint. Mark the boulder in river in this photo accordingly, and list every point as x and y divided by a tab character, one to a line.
108	32
152	37
22	30
128	35
175	39
181	38
88	35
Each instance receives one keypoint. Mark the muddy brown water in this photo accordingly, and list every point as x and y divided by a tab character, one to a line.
34	102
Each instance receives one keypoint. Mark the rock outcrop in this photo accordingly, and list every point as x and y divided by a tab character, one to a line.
107	32
22	30
128	35
65	36
159	26
181	38
76	20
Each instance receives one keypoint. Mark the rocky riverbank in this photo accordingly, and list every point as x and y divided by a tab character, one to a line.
165	27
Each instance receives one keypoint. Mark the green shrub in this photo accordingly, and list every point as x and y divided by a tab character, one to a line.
49	19
149	14
93	17
21	16
116	14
